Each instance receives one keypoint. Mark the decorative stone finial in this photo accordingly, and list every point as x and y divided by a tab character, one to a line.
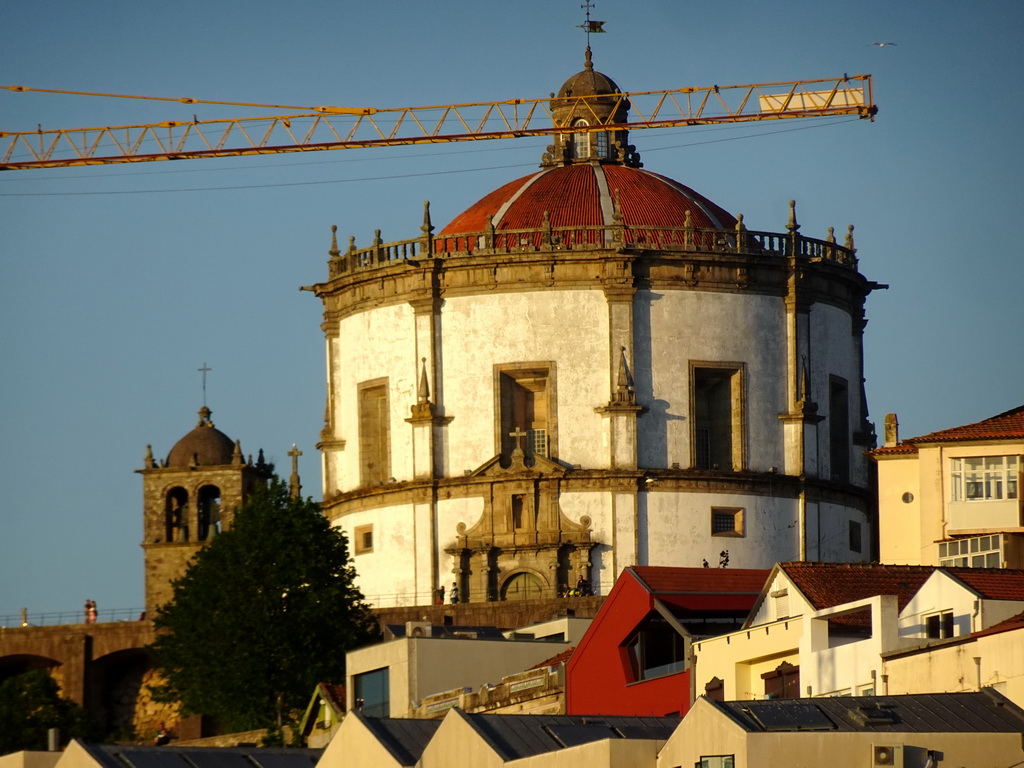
849	239
334	252
149	462
588	60
423	393
792	226
204	417
236	454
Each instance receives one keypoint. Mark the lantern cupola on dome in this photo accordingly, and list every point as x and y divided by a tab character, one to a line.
590	98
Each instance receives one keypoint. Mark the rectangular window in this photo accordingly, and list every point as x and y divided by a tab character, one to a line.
717	408
976	552
856	536
726	521
717	761
525	409
374	433
839	430
373	692
939	625
985	478
362	539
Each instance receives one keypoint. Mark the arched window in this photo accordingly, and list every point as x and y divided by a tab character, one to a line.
176	515
522	586
581	140
208	504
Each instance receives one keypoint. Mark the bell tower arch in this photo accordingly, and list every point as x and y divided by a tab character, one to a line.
190	497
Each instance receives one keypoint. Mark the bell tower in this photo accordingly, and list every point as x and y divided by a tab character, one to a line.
188	499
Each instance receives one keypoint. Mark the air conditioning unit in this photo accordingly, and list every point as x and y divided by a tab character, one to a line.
418	629
886	756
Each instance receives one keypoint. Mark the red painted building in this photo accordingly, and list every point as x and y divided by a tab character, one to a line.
635	658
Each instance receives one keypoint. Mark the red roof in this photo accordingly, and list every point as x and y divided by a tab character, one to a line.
1005	426
665	580
1010	624
559	658
829	584
991	583
585	195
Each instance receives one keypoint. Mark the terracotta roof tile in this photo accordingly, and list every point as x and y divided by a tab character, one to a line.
1005	426
559	658
1008	625
829	584
991	583
905	449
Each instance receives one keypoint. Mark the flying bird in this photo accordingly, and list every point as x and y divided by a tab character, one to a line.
882	45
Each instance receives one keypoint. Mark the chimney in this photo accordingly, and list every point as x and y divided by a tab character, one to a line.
892	430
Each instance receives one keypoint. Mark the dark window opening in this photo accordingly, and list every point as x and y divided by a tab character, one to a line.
374	434
856	536
373	692
940	625
208	504
839	430
656	650
176	515
717	418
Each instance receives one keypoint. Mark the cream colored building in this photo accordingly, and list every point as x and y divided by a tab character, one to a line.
850	732
953	497
392	677
828	629
592	367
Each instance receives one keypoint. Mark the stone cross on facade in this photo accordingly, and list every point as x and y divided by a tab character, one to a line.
518	435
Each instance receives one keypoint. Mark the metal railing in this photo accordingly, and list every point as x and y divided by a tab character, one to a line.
66	618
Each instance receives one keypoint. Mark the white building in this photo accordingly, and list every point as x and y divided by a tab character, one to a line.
592	367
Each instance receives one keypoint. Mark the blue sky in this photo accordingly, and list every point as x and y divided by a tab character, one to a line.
118	282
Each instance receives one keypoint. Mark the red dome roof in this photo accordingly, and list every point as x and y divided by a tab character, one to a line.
584	194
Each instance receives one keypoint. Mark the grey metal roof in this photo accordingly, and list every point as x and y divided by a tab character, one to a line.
979	712
517	736
170	756
405	739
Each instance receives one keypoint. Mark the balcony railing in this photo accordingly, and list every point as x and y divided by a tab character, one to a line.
686	239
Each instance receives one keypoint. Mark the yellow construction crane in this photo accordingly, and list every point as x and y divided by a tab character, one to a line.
319	128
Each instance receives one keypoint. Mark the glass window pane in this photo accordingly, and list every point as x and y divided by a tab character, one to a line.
978	561
974	545
992	560
974	463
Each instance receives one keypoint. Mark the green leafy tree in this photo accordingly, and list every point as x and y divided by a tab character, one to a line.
31	704
263	613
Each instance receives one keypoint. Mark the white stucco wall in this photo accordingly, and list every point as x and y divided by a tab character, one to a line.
672	329
374	344
568	328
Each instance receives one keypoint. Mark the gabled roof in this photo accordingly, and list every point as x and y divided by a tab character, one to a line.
991	583
404	738
829	584
518	736
170	756
981	712
1004	426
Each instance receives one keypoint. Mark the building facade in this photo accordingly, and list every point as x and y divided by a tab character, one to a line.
953	497
592	367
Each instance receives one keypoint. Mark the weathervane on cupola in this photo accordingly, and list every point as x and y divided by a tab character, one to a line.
590	26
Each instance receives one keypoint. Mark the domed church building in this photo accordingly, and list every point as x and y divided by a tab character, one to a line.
592	367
